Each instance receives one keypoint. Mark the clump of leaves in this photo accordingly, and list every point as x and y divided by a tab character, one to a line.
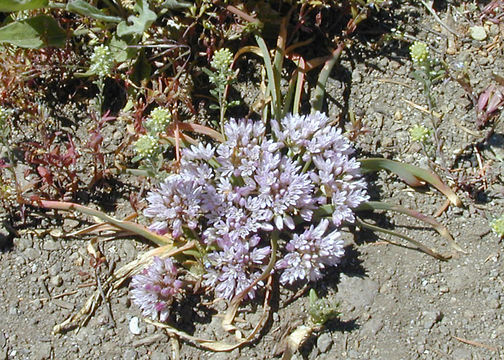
150	147
321	310
497	226
489	102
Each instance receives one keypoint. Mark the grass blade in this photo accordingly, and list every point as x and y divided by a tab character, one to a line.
442	230
419	245
123	225
273	81
411	175
318	101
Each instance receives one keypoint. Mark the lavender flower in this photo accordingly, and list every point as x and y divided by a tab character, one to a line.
235	193
240	154
153	290
231	270
309	253
176	203
284	191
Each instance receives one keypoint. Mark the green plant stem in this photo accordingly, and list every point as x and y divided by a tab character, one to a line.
318	101
100	83
124	225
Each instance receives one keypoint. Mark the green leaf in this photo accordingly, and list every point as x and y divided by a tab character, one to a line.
34	33
18	5
141	70
176	5
84	8
140	23
411	175
121	48
319	92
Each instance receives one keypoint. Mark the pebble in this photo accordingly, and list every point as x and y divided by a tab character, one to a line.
134	326
149	340
358	291
324	342
56	280
42	351
461	354
130	354
373	326
20	260
3	339
51	245
63	304
430	318
494	304
150	329
129	250
55	269
219	356
14	311
356	76
23	243
159	355
32	253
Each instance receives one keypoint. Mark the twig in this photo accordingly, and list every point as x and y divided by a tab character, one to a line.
436	17
104	298
422	108
442	208
475	343
56	296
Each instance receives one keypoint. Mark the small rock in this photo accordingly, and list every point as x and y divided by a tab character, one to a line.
55	269
14	311
32	253
430	318
23	243
159	355
51	245
42	351
70	224
5	237
478	32
150	329
468	314
129	250
358	291
356	76
461	354
3	339
494	304
134	326
20	260
63	304
324	342
373	326
56	280
130	354
219	356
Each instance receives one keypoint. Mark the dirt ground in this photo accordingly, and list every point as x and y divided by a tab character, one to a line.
395	302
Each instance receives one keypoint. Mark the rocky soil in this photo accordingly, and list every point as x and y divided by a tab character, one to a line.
395	302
